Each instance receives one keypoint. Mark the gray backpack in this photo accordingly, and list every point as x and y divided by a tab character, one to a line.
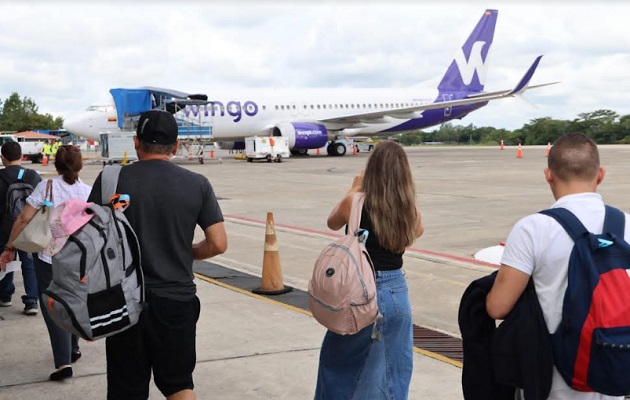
17	192
97	288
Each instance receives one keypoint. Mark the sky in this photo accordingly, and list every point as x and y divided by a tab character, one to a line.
67	55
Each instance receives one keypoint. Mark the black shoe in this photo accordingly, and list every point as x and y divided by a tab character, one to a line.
5	302
61	374
75	356
31	309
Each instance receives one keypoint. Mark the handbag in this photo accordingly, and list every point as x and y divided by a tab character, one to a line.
36	235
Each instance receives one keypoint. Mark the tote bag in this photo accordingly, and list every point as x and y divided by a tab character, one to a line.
36	235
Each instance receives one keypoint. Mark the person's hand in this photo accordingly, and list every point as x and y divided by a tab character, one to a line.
6	257
357	182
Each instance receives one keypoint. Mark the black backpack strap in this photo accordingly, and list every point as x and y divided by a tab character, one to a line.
569	222
615	222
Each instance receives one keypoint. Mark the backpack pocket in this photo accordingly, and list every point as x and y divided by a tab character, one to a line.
364	314
610	347
108	311
60	304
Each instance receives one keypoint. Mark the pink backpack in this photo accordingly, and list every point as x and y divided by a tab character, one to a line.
342	291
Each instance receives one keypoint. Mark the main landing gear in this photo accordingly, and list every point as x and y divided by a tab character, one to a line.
336	149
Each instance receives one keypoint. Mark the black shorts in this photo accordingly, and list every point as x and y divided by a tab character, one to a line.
163	340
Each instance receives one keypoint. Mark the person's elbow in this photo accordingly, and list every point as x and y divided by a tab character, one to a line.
220	246
495	308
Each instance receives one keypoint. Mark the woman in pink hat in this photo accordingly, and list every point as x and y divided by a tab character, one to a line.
66	186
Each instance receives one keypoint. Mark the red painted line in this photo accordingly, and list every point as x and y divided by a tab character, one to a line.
336	235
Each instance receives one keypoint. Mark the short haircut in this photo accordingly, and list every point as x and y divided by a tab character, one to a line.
12	151
574	157
154	148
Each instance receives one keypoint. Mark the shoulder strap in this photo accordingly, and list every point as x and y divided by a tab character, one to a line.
109	182
569	222
355	212
615	222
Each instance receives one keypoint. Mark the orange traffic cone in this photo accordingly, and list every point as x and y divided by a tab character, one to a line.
45	161
211	153
354	150
317	152
271	273
519	152
548	149
501	144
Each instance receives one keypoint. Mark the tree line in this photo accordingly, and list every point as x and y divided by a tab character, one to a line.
603	126
21	114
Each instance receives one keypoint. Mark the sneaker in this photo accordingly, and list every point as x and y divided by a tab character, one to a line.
31	309
5	302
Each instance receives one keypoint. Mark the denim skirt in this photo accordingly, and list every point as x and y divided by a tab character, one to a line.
358	367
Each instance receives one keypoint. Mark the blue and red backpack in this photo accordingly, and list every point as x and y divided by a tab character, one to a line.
591	346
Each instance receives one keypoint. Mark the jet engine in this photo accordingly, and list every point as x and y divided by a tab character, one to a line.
302	135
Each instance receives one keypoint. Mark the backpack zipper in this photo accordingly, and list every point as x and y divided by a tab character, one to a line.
83	256
103	256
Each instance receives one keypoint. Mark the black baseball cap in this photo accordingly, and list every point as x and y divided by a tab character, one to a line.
157	126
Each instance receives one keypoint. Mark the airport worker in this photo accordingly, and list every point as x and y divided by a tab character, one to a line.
55	147
358	366
65	186
166	203
540	248
12	160
47	150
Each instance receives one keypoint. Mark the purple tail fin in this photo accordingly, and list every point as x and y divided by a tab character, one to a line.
467	72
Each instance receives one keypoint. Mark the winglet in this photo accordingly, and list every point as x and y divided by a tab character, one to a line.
524	82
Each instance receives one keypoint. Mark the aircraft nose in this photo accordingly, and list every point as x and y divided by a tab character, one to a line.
77	124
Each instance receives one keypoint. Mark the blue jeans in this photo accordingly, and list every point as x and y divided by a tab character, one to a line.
357	367
7	288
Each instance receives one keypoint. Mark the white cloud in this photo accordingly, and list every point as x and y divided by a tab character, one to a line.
66	56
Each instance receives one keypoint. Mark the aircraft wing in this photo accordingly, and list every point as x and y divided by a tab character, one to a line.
416	111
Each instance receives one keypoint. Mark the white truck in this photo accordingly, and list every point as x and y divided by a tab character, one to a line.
270	148
31	150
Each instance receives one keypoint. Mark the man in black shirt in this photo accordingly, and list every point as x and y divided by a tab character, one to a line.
166	203
12	160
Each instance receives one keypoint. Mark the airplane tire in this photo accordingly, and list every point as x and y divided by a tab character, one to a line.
340	149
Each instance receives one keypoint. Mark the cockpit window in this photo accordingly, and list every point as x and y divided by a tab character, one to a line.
106	108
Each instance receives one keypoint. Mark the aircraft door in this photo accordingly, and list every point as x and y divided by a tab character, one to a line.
295	109
304	108
447	110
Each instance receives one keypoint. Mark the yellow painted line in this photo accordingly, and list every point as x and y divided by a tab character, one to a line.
438	357
418	350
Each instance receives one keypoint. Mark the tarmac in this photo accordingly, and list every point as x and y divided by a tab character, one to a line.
253	347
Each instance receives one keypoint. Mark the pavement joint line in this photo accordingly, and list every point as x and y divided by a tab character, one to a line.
210	360
423	254
213	281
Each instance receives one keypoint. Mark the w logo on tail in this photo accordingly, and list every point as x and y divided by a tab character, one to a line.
470	58
474	63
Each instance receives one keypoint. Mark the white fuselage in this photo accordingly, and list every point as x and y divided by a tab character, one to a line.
235	115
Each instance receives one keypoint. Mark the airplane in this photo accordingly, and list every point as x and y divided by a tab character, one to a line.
314	118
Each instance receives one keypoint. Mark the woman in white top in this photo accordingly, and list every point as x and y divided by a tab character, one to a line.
66	186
